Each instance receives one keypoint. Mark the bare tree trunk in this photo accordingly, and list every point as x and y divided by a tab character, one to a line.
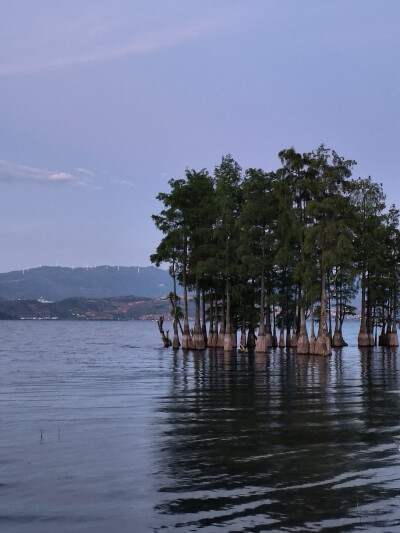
260	344
281	342
303	345
369	317
382	339
198	337
337	339
243	342
228	345
394	340
323	341
221	334
293	340
210	339
186	339
363	339
274	339
215	333
251	339
165	336
268	333
175	339
312	336
203	307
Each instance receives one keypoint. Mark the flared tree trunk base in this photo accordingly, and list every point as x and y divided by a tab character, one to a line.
260	344
186	341
323	344
363	339
198	340
175	342
393	339
303	345
338	340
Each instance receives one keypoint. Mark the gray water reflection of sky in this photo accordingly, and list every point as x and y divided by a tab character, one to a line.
103	102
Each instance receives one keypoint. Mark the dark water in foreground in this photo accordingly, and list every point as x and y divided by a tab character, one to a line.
102	430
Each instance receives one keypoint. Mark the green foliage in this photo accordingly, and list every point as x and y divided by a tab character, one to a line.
266	238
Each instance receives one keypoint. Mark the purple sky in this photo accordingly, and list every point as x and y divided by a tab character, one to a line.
102	102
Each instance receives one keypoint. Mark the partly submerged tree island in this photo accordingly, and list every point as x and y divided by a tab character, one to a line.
268	250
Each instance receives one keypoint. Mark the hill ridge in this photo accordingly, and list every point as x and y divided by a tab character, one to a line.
54	283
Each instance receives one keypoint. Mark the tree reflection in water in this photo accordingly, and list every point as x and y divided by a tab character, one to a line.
281	442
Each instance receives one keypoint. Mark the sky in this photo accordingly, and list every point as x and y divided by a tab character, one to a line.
102	102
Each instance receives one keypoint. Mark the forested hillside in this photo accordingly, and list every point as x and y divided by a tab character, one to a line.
58	283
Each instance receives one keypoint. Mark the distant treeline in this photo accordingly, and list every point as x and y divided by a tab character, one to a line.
267	250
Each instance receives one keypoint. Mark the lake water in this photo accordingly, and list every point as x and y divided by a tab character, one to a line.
103	430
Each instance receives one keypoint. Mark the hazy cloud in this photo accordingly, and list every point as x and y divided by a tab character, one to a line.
96	35
123	182
15	172
85	171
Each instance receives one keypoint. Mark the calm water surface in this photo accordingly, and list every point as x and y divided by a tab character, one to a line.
102	430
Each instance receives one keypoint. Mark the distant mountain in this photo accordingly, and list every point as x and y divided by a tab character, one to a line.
58	283
120	308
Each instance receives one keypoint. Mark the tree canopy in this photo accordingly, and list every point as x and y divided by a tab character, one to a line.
263	251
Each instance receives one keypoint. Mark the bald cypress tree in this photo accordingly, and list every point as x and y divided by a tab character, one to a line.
369	202
228	198
258	243
199	217
173	246
246	244
329	233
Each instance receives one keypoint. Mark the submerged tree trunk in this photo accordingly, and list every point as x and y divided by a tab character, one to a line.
274	338
303	344
312	335
281	342
363	339
165	336
243	342
210	338
203	311
293	340
198	336
251	338
394	340
323	341
215	333
382	337
268	333
337	339
370	327
228	344
186	339
221	334
175	339
260	344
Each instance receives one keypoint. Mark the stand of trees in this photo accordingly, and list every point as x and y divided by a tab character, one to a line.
264	251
